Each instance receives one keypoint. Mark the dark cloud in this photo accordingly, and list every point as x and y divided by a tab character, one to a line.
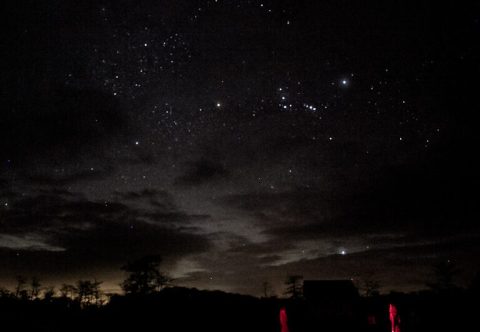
161	200
59	233
61	179
401	267
58	125
146	194
428	199
200	172
162	207
172	217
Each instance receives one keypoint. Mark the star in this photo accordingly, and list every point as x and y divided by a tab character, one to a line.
254	128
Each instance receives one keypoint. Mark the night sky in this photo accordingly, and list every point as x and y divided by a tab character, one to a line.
243	141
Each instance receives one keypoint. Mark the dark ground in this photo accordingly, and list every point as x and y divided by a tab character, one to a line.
182	309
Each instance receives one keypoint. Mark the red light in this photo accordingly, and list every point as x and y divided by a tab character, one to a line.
394	318
283	320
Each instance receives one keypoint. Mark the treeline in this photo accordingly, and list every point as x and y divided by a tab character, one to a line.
143	278
85	292
150	299
169	309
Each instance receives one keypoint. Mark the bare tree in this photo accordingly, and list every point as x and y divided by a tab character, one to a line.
20	288
267	289
68	291
370	285
88	292
294	285
35	288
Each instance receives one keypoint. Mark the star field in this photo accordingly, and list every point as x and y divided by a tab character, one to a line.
237	138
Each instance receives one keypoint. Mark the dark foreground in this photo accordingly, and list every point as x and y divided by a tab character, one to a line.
181	309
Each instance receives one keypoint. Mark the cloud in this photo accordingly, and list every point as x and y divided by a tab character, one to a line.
390	211
55	126
53	180
160	199
143	194
200	172
400	267
426	200
160	207
26	242
59	233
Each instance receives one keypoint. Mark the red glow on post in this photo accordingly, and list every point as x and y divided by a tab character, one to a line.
394	318
283	320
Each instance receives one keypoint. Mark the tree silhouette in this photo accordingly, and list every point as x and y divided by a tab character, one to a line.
20	290
267	289
444	274
4	292
370	285
89	292
68	291
144	276
49	293
163	281
35	288
294	286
